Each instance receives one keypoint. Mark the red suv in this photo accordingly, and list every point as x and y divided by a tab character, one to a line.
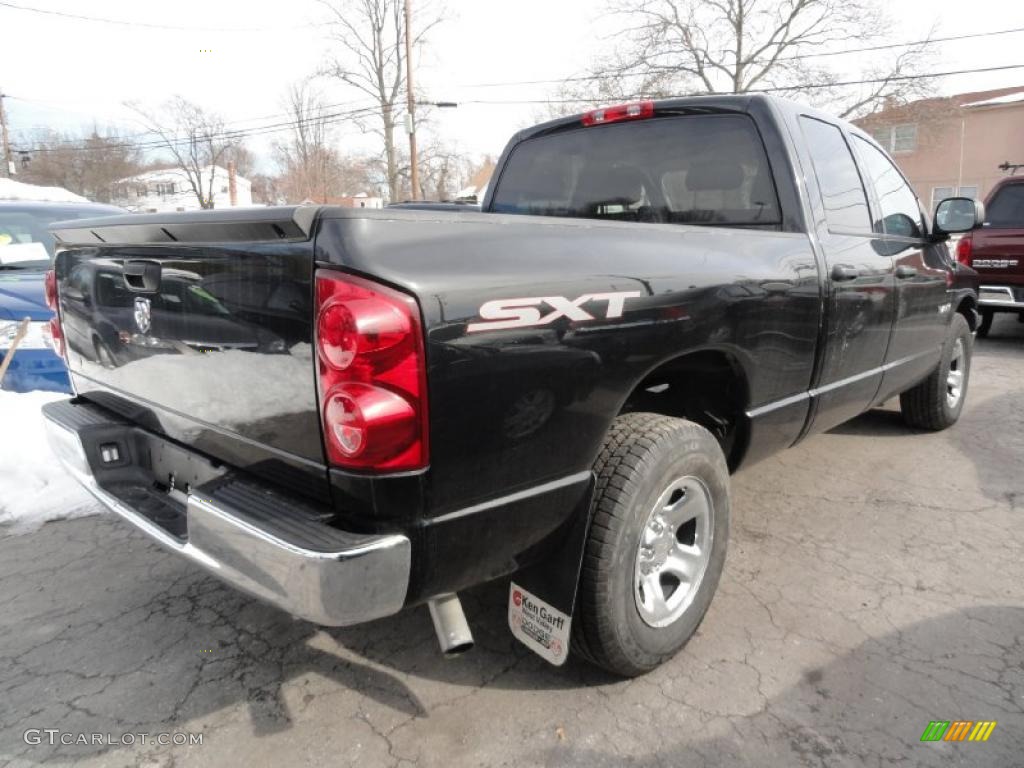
996	251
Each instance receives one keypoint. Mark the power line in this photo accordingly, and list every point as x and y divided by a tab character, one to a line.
146	25
349	114
774	89
141	134
794	57
222	135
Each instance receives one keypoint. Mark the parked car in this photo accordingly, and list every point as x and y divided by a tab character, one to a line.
26	253
996	251
555	388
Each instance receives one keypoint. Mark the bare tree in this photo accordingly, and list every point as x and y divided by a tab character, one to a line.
371	40
311	167
243	158
737	46
87	165
304	156
195	140
444	170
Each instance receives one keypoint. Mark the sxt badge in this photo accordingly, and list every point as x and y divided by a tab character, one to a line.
537	625
523	313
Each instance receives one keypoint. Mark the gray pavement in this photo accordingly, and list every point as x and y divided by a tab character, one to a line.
875	582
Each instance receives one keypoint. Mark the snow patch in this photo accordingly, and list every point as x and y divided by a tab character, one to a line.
34	487
16	190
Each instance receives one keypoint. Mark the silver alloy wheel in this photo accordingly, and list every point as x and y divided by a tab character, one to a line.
673	553
955	377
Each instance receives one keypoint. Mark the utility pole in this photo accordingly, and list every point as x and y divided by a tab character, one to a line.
414	171
9	169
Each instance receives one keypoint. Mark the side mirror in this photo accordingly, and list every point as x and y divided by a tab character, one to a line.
958	214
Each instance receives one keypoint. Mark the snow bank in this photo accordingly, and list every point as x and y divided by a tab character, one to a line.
16	190
34	487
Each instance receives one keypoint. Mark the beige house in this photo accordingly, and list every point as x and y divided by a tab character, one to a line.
953	145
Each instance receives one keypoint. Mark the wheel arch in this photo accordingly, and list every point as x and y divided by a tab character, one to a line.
708	386
967	306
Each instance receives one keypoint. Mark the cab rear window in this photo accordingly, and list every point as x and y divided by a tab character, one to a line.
696	169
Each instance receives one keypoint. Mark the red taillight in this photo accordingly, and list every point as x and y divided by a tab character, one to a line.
372	374
56	336
50	293
50	289
636	111
964	248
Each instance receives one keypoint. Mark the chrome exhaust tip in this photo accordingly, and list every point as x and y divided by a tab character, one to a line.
453	633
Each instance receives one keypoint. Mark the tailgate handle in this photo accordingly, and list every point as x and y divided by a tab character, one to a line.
142	276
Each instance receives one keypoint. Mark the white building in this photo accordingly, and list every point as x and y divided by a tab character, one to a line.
169	190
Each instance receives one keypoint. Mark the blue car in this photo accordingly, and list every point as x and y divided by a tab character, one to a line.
26	253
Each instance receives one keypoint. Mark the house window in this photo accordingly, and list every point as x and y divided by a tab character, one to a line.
904	138
941	193
165	188
897	138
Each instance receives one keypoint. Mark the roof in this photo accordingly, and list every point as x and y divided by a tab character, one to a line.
913	109
163	174
1010	98
17	190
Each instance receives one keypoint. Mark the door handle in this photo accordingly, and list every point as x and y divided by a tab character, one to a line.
903	271
841	272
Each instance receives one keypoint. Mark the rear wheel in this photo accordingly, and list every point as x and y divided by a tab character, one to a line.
937	401
656	545
986	322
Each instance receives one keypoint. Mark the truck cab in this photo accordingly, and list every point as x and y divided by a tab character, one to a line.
996	251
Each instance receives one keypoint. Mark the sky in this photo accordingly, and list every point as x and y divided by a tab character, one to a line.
238	57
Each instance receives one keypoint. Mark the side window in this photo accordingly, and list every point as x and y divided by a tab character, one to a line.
901	213
1007	207
842	191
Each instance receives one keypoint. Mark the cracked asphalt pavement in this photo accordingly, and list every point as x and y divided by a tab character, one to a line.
875	582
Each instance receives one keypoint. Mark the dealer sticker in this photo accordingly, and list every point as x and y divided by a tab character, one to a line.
540	627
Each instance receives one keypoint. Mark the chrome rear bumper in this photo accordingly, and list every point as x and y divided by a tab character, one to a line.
999	296
262	542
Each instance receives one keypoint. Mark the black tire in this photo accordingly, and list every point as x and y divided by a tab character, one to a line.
986	322
928	405
643	454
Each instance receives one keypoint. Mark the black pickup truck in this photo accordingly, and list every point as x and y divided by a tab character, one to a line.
554	388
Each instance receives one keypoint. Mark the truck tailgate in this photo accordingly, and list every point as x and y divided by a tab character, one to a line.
210	345
998	255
